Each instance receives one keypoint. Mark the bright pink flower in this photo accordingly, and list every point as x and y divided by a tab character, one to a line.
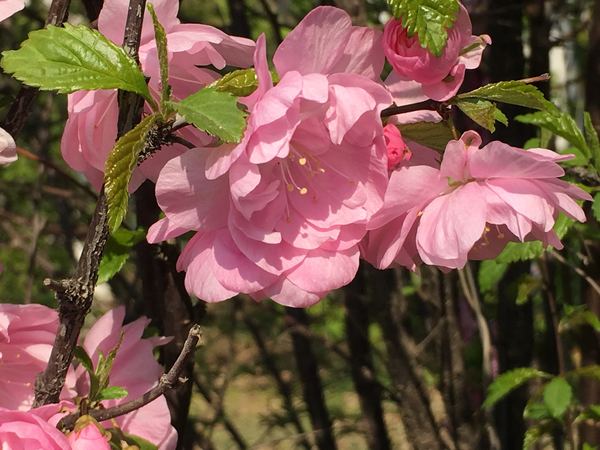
136	370
8	148
397	150
9	7
280	215
87	436
26	430
417	69
91	128
26	337
480	199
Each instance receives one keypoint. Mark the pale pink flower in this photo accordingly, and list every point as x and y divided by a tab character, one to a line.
9	7
480	199
136	370
26	337
8	148
280	215
397	150
87	436
418	74
91	127
26	430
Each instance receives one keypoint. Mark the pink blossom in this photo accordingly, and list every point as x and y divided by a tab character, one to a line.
91	127
479	199
87	435
136	370
9	7
26	337
397	150
418	74
280	215
8	148
26	430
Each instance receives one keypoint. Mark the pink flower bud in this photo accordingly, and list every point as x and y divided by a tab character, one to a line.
88	436
396	148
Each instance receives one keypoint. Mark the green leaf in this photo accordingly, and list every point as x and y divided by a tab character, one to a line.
587	446
534	433
576	316
105	366
592	412
429	134
117	252
513	92
557	396
214	112
428	19
537	411
592	372
482	112
240	83
83	358
73	59
111	393
508	381
130	439
119	165
490	272
591	138
526	287
559	123
160	37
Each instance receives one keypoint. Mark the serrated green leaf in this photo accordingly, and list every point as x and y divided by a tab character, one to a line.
117	251
240	83
119	165
534	433
214	112
559	123
73	59
508	381
490	272
557	396
83	358
433	135
591	138
512	92
104	367
111	393
428	19
160	36
482	112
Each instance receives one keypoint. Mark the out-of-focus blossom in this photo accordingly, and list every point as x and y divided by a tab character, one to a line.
418	74
8	148
136	370
91	127
280	215
26	430
9	7
87	436
26	337
397	150
479	200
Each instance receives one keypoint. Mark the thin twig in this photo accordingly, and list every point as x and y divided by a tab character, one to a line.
166	382
577	270
426	105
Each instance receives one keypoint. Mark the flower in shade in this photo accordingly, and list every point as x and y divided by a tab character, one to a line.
91	127
8	148
26	337
134	369
478	201
418	74
9	7
280	215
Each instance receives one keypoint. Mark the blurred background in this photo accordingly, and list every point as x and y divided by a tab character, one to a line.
395	360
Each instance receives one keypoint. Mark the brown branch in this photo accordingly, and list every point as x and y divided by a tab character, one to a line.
166	382
76	294
425	105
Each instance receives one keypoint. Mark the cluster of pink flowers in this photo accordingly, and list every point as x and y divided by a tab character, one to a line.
318	181
26	336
